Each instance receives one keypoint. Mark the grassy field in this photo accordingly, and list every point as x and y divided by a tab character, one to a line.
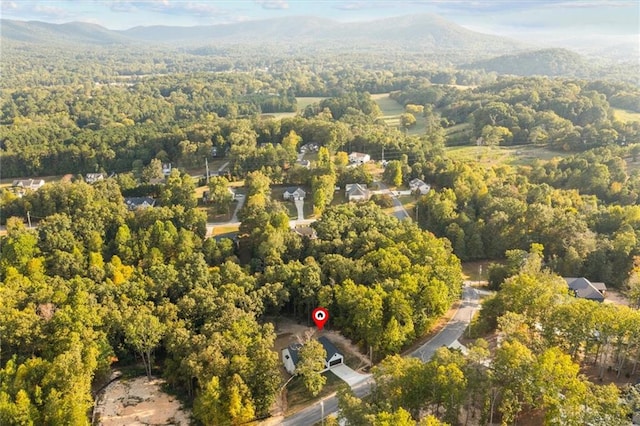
302	103
493	156
391	111
624	115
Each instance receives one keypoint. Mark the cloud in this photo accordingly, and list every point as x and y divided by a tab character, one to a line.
361	5
8	6
273	4
190	8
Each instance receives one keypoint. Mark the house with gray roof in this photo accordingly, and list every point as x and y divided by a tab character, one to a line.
291	357
135	203
356	192
294	193
585	289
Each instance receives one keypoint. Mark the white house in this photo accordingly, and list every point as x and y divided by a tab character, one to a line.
93	177
294	194
166	169
290	355
359	158
135	203
419	186
356	192
22	186
30	184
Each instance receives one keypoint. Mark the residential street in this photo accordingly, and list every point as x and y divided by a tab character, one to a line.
446	337
398	209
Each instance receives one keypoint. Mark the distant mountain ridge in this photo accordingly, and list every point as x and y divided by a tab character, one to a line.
551	62
415	32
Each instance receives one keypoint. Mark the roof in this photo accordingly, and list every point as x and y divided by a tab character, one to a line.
305	231
328	347
294	348
133	202
358	155
585	289
417	182
28	183
356	189
293	190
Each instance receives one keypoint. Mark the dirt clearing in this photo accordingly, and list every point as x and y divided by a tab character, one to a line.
138	402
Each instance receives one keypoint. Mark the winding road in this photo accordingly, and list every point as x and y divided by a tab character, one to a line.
448	336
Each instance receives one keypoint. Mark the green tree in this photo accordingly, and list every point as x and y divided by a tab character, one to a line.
219	193
312	361
392	174
143	331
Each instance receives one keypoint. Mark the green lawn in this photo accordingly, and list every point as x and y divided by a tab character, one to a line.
492	156
302	103
625	115
298	397
391	111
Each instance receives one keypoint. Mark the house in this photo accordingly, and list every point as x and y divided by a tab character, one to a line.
359	158
585	289
417	185
290	355
30	184
93	177
309	147
306	232
166	169
294	194
356	192
22	186
135	203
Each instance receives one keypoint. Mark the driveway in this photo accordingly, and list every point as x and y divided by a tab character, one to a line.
348	375
446	337
300	207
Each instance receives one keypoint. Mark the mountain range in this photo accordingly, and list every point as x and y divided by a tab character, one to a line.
417	32
424	35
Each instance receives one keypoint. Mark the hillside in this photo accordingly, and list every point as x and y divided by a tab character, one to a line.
551	62
44	33
419	33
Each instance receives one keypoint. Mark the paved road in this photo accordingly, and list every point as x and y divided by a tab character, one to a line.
447	336
454	328
313	414
398	208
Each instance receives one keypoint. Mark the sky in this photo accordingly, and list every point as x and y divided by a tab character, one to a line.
596	17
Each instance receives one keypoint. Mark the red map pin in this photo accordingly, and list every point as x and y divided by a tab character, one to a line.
320	317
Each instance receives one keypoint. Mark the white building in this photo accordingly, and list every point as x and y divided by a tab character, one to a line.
294	194
417	185
290	355
359	158
356	192
93	177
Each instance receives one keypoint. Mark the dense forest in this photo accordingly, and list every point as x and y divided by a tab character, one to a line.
95	283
